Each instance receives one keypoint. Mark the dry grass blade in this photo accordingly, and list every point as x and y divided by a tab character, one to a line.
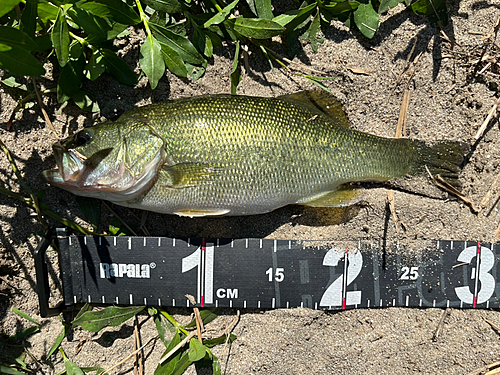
199	324
403	114
440	325
360	71
493	325
491	369
139	357
486	199
42	108
128	357
487	121
440	182
177	347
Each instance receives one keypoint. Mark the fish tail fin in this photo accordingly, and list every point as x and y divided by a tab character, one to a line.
444	158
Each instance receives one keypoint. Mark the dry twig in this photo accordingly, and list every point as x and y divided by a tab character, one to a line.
487	121
440	325
440	182
42	108
486	199
129	356
177	347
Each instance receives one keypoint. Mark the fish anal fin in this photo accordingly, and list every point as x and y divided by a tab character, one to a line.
183	175
319	100
201	213
345	195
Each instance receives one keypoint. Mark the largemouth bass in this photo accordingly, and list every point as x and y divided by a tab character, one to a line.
238	155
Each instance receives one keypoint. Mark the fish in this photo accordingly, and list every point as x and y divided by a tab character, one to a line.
239	155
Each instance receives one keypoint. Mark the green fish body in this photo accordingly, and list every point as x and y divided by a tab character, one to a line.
237	155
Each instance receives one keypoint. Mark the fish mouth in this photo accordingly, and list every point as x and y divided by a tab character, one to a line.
69	167
81	175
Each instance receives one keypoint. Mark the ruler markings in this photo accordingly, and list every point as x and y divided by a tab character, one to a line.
463	277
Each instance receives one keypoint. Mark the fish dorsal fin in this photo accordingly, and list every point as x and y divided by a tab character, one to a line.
321	101
345	195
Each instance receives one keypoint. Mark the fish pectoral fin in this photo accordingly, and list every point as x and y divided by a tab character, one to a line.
319	100
183	175
345	195
201	213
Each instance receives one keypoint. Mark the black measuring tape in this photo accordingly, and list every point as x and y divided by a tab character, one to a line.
268	274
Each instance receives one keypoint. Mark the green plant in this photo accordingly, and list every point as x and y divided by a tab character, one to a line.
77	36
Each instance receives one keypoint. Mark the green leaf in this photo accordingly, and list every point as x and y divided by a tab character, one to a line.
57	342
25	316
96	27
196	71
83	310
118	30
151	60
47	12
28	18
178	43
8	370
71	76
173	61
196	350
435	10
116	228
60	37
386	4
19	62
111	316
261	8
235	73
257	28
4	47
7	5
203	42
16	38
25	333
298	14
219	340
43	43
118	68
162	326
95	67
12	82
165	6
221	16
312	33
366	20
167	368
336	9
91	208
207	315
115	10
72	368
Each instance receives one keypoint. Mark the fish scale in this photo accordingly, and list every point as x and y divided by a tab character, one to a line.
242	155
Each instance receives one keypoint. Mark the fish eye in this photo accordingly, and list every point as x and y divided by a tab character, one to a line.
83	137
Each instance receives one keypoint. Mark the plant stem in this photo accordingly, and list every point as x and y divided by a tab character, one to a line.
174	322
144	18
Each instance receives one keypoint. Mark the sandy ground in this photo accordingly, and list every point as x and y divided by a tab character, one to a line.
449	100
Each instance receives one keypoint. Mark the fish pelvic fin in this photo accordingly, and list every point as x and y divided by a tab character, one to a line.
444	158
184	175
201	213
345	195
321	102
